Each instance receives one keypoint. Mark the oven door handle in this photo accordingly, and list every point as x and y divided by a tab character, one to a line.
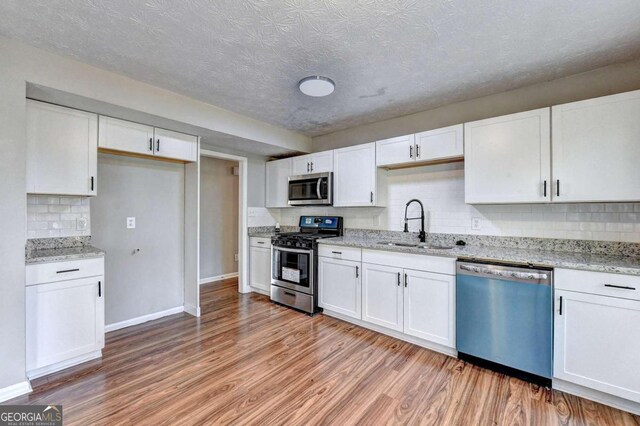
292	250
318	188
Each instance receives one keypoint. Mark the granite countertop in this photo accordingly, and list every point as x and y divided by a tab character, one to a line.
557	259
62	253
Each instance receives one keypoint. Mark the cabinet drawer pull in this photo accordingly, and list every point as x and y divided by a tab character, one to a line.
357	271
99	288
260	242
417	151
67	270
151	144
545	189
411	151
560	305
398	279
558	188
92	179
623	287
312	166
371	197
158	145
406	280
336	252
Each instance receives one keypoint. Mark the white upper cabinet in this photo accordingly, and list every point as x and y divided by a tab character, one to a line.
508	159
62	145
126	136
135	138
398	150
170	144
318	162
440	144
278	173
596	149
357	180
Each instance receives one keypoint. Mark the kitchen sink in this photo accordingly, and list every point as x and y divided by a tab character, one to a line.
415	245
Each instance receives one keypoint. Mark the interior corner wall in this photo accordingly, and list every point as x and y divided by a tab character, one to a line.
151	280
12	226
219	191
604	81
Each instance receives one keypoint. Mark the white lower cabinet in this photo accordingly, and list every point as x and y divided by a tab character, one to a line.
383	290
429	306
382	296
597	343
341	286
260	264
64	321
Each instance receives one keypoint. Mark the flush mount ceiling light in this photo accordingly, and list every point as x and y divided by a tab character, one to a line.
316	86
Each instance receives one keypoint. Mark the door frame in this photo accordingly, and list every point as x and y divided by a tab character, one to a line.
243	227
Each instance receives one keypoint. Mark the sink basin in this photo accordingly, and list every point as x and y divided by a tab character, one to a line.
417	245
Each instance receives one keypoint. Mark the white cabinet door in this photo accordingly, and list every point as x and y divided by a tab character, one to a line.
382	296
278	173
174	145
596	149
429	307
597	343
64	320
339	286
260	268
322	162
301	165
355	176
397	150
440	144
508	159
126	136
62	150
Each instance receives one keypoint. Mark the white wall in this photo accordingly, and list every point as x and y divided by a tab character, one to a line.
441	190
600	82
219	189
151	280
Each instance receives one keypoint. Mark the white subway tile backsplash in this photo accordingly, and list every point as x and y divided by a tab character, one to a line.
57	216
441	190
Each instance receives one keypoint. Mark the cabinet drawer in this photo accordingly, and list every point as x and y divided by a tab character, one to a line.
418	262
61	271
614	285
260	242
340	252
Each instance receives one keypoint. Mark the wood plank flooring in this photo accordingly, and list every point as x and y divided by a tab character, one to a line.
248	361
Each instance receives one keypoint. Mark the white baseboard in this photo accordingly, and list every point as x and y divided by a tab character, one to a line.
192	310
45	371
401	336
218	278
143	319
261	291
15	391
597	396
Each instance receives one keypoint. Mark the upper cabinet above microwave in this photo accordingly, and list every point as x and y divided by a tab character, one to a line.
425	147
134	138
318	162
61	150
596	149
507	159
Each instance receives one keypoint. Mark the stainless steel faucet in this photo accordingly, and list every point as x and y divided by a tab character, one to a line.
423	235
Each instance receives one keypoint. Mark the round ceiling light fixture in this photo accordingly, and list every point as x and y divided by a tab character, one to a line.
316	86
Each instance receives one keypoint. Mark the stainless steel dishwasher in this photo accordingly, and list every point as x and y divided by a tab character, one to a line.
504	319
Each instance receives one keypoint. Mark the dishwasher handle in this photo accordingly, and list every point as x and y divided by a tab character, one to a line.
506	273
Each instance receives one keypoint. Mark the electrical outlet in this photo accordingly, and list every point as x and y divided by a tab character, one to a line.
476	224
235	257
131	223
81	223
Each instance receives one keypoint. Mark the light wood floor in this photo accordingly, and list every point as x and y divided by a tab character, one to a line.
247	361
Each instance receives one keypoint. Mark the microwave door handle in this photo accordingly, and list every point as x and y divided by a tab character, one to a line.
318	188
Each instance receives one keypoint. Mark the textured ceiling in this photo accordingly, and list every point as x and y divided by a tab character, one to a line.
388	58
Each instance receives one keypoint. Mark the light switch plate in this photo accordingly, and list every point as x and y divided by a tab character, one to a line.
131	223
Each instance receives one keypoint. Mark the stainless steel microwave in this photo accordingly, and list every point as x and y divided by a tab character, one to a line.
311	190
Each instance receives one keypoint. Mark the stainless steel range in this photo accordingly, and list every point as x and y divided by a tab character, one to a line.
294	262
